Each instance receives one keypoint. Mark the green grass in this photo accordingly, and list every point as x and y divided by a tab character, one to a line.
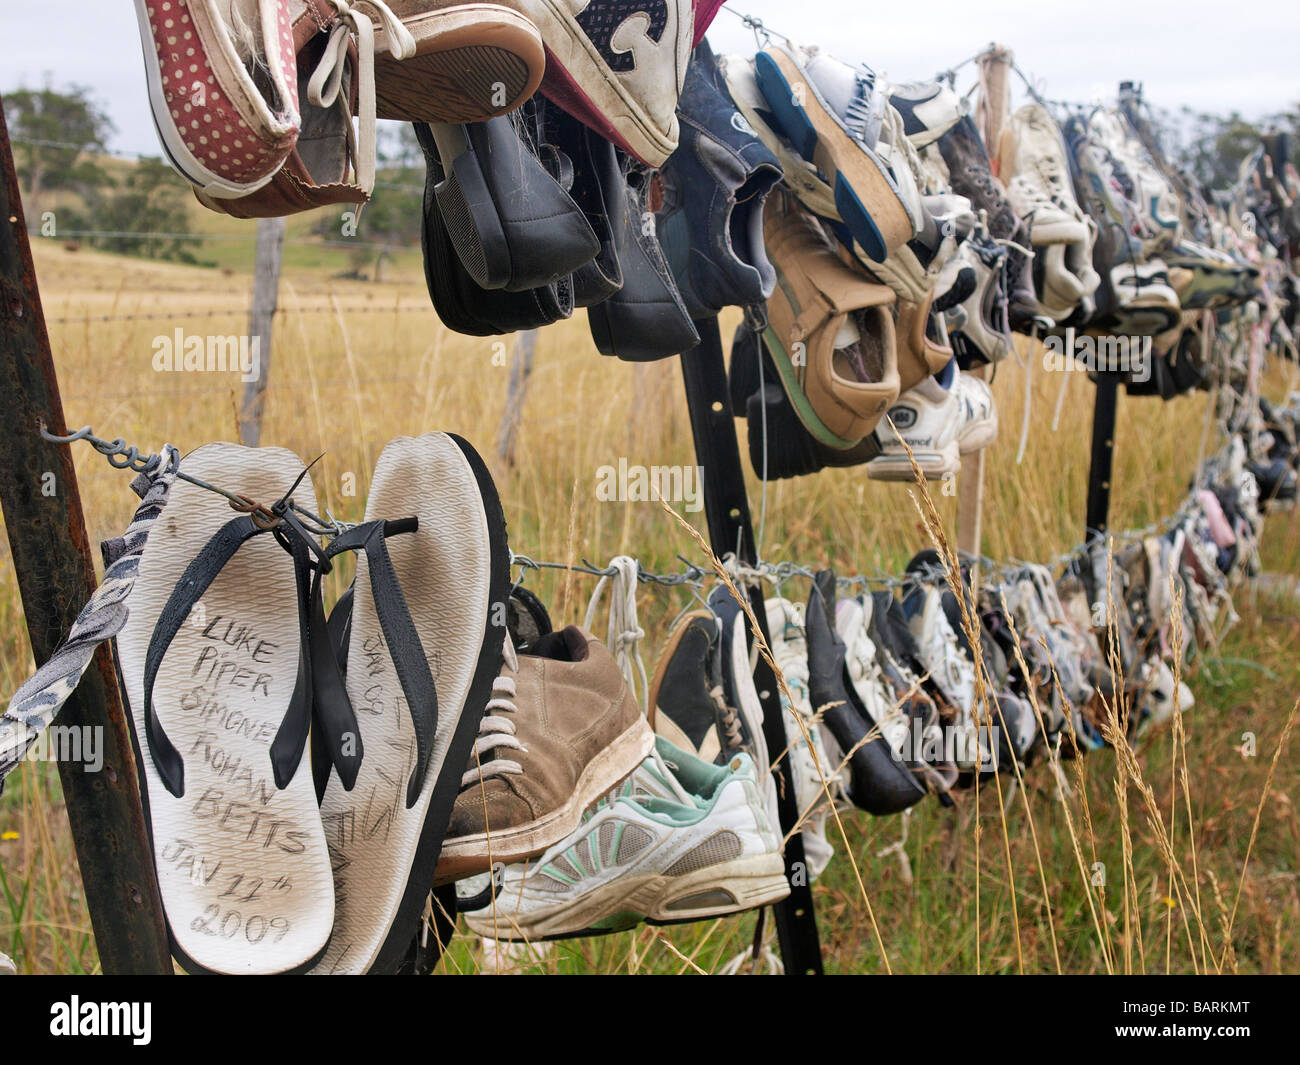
343	383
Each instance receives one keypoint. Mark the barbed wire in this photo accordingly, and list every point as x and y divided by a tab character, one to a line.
80	319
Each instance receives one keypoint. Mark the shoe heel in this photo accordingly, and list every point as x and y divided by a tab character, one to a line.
791	119
859	220
469	212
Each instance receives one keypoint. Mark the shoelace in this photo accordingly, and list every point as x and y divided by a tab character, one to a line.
730	718
495	731
623	635
327	79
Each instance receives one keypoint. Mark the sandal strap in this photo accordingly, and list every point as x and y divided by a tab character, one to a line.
196	580
402	641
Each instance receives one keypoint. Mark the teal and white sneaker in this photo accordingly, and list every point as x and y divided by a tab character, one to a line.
680	840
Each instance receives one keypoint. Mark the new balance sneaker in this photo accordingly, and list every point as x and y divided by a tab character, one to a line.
832	114
618	66
939	425
561	729
715	186
830	331
223	88
688	705
680	840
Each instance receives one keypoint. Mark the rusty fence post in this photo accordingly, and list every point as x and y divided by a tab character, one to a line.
51	553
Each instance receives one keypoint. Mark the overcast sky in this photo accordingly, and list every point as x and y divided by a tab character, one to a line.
1192	52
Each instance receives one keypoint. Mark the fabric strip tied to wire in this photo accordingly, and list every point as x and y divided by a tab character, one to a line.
35	705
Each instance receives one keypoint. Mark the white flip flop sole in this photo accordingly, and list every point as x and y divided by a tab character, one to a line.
242	866
452	570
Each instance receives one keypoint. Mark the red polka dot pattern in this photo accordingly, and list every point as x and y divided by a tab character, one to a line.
224	140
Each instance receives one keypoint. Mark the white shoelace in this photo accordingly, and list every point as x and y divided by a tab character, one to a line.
327	79
495	731
623	634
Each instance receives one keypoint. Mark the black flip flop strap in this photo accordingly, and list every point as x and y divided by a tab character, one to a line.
291	739
196	580
400	636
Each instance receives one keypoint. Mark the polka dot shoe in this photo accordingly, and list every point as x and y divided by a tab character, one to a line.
223	88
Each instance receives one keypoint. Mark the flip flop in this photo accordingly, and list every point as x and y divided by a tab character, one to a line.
214	665
418	714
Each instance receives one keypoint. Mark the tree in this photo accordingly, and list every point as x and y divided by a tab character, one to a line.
147	216
52	132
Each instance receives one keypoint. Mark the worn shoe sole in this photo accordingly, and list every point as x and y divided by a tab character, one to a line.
452	570
934	465
472	63
469	855
626	901
864	193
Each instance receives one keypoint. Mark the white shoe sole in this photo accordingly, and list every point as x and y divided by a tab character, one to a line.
934	465
750	882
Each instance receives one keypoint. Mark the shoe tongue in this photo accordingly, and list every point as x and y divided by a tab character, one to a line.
656	778
848	93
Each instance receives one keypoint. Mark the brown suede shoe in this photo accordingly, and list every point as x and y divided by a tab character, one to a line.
830	331
561	730
920	355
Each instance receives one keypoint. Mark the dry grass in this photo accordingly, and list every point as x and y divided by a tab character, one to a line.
985	890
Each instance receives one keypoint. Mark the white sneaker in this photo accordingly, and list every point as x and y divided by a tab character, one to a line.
1146	302
852	617
810	763
680	840
950	668
1037	177
974	324
1149	190
939	425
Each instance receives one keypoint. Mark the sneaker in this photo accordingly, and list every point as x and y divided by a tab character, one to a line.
688	705
971	175
468	62
939	424
978	328
880	782
561	729
945	656
828	111
929	109
800	176
680	840
1033	165
1150	192
830	331
223	89
618	68
912	270
715	186
817	784
1146	303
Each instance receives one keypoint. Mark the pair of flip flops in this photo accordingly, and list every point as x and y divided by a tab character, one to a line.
229	669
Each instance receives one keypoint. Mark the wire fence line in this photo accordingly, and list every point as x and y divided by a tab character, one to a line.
145	234
232	312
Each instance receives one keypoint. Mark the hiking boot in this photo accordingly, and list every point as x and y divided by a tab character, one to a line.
561	729
715	185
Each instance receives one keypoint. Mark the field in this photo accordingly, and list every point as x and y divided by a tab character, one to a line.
980	890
